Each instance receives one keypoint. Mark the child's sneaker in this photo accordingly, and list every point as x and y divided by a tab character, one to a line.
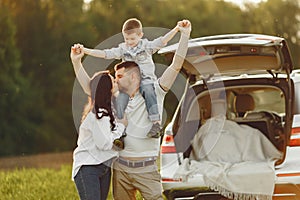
155	131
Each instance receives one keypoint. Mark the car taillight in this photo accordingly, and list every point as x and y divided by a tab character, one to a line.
168	145
295	137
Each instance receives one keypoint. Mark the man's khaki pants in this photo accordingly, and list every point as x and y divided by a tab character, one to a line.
126	182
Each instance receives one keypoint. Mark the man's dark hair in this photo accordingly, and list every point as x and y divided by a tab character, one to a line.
127	65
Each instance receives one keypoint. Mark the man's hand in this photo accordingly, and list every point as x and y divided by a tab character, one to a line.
185	26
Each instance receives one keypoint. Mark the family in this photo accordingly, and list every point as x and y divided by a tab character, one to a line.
129	105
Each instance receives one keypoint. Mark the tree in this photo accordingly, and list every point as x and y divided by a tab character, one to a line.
16	111
43	37
277	17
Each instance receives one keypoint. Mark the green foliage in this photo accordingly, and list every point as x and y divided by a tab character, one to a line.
277	17
15	93
37	78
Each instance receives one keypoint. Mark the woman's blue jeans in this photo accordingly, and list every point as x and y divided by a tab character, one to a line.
93	181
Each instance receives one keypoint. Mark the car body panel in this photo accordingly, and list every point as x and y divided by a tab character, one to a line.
289	170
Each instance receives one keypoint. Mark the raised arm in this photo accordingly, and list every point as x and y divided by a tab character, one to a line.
168	77
94	52
168	36
76	54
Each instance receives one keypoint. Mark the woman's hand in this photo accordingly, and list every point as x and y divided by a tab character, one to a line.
76	52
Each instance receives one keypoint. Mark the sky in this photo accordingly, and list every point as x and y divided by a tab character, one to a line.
238	2
241	2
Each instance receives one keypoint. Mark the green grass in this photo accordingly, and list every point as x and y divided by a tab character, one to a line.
32	184
39	184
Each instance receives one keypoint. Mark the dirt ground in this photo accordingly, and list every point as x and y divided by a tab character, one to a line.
47	160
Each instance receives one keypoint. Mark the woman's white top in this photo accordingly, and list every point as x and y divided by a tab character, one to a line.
95	141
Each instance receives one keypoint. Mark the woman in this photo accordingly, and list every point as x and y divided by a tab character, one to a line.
94	154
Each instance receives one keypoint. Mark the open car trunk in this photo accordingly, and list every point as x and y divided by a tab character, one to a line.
260	103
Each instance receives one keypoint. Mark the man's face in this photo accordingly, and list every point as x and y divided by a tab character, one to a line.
122	79
132	39
115	87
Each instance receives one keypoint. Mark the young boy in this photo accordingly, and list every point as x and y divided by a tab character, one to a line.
135	48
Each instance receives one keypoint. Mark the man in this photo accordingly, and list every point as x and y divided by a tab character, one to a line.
136	167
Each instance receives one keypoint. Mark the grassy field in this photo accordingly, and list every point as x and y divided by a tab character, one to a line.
39	177
44	176
34	184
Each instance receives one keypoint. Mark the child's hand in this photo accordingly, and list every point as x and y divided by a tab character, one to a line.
185	26
184	23
177	26
78	48
76	52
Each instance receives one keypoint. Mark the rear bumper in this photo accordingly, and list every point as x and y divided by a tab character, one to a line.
185	193
286	191
283	191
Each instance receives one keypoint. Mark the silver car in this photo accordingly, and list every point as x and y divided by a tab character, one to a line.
250	74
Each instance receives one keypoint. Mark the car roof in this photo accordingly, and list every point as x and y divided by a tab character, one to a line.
295	75
235	54
250	39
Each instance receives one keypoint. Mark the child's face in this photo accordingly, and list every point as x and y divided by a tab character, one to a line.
132	39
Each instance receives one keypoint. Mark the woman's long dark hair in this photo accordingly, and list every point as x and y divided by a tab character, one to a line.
100	99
